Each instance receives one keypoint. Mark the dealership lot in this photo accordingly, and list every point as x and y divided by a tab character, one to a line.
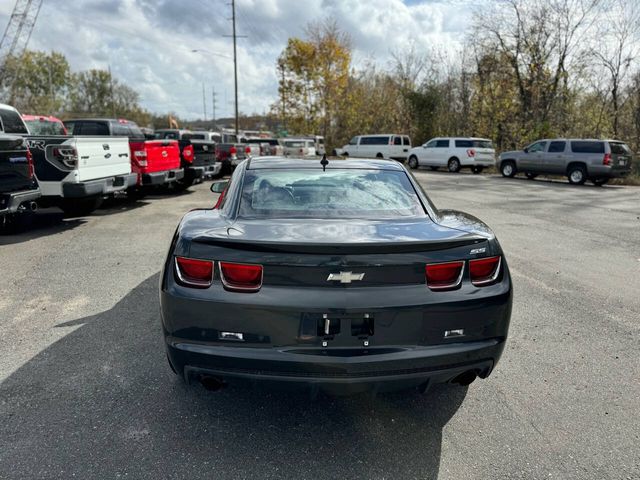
85	388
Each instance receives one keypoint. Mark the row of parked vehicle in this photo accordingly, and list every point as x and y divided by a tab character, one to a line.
578	159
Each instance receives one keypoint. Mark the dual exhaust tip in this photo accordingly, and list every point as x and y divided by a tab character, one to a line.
28	207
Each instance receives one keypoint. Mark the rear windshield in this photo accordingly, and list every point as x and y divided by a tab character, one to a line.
195	136
45	127
474	144
619	148
11	122
295	144
370	194
587	147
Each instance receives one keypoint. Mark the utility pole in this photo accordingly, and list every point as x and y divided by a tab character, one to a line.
204	103
213	104
113	103
235	59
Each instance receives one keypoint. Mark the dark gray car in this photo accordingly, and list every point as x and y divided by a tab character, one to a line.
341	279
579	159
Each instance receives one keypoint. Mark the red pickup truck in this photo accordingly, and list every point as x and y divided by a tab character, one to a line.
157	162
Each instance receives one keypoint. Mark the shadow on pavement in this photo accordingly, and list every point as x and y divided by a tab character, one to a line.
102	403
33	225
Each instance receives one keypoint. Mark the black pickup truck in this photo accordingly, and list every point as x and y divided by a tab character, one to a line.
197	154
18	186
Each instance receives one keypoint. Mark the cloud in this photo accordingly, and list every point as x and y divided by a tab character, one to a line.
148	43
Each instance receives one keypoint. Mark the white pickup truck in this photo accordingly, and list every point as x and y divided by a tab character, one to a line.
74	173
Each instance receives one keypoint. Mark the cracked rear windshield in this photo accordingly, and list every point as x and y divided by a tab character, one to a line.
371	194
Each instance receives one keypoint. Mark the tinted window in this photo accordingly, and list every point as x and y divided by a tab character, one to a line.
619	148
587	147
45	127
555	147
537	147
120	130
464	143
406	141
397	140
134	131
12	122
482	144
91	128
374	141
442	144
371	194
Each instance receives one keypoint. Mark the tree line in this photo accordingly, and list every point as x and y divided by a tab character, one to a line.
528	69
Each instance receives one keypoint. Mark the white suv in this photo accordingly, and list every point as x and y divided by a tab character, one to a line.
454	153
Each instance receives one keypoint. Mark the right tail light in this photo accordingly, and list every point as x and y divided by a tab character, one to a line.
241	277
444	276
484	271
141	157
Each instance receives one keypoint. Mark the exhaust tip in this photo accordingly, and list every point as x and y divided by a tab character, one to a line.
213	384
33	206
465	378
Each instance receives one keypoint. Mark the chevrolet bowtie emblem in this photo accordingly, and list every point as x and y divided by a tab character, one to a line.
345	277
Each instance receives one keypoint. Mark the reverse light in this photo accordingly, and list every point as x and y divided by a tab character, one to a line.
67	155
444	276
194	273
241	277
484	271
141	158
607	159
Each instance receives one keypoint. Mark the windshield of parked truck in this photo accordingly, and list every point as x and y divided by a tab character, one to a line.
45	127
371	194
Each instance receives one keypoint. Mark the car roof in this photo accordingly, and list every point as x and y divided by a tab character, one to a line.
7	107
98	119
383	135
49	118
264	163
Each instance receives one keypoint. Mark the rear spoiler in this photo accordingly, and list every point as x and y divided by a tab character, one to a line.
341	248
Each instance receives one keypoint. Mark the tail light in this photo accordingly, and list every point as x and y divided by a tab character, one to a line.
247	150
233	151
444	276
141	157
67	155
484	271
607	159
194	273
471	153
30	163
188	153
241	277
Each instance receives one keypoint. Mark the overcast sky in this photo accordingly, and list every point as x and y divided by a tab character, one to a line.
149	43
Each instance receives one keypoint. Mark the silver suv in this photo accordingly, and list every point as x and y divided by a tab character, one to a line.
579	159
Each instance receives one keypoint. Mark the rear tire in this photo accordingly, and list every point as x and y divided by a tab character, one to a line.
434	168
413	162
477	170
182	184
136	193
379	155
598	182
577	174
453	165
531	176
508	169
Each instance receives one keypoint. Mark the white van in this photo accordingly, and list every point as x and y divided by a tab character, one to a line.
382	145
319	143
454	153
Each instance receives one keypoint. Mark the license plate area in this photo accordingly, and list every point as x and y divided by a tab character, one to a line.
341	328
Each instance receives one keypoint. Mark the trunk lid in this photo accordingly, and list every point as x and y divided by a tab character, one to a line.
305	253
205	153
161	155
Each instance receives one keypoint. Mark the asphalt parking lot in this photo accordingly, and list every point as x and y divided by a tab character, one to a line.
86	392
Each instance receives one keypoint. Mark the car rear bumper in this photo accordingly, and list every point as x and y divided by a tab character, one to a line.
201	171
478	162
163	177
336	371
603	171
102	186
10	202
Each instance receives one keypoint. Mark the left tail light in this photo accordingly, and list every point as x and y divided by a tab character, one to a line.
607	159
444	276
30	163
194	273
241	277
484	271
471	153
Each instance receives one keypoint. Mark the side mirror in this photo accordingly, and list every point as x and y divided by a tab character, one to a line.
526	150
219	187
424	145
